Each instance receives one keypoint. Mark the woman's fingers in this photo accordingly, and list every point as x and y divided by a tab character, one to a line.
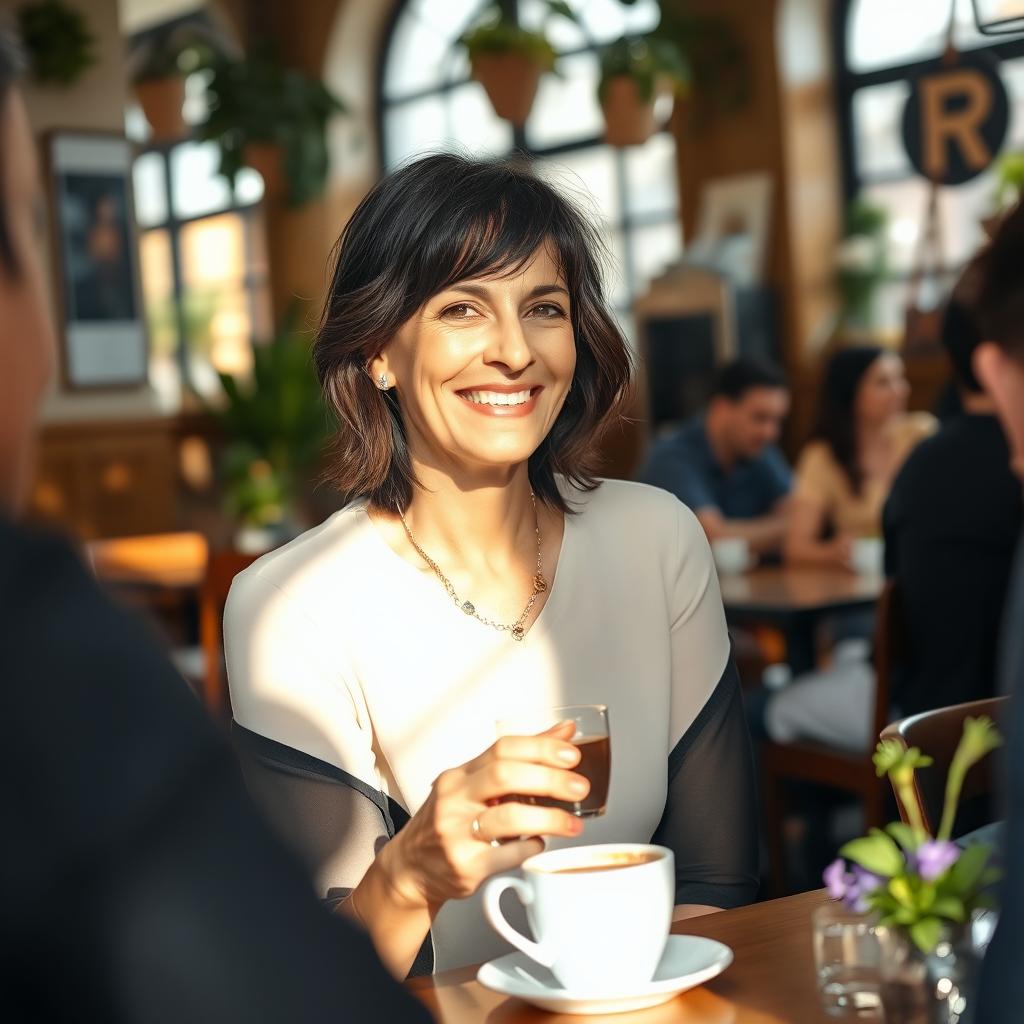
516	819
521	778
509	856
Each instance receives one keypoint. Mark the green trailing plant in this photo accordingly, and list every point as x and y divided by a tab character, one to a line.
260	100
492	32
276	425
916	882
60	46
861	263
1009	180
651	61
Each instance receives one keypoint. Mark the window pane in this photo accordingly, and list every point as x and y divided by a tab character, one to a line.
877	129
615	281
602	21
248	187
566	109
653	249
883	34
161	322
587	175
472	124
651	182
198	188
216	301
411	128
420	55
150	189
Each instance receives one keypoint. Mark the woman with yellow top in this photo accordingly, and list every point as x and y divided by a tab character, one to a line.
863	436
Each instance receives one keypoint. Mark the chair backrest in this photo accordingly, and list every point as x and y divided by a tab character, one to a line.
890	647
221	568
937	734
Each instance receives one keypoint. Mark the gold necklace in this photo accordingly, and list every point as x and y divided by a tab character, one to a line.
540	584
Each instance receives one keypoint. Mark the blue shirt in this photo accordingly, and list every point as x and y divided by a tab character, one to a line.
684	464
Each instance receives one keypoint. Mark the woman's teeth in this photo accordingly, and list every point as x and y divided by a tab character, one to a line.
497	398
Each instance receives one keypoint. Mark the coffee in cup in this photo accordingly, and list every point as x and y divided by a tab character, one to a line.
601	914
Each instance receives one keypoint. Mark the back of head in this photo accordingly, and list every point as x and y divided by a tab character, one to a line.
999	303
11	67
734	379
960	338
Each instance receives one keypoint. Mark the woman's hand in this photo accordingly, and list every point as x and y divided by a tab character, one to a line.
462	835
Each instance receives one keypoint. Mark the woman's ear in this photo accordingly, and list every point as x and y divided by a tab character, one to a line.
380	372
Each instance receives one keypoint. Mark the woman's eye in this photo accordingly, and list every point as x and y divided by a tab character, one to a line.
461	311
547	311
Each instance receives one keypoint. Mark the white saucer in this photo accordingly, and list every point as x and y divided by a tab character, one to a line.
688	961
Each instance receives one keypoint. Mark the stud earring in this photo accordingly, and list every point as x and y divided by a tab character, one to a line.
382	382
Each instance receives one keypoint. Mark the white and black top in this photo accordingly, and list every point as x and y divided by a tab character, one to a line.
356	682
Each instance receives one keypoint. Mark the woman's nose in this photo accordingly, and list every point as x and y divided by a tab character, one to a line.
509	347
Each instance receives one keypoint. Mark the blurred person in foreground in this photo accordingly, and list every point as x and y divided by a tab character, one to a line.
724	463
137	882
999	366
951	525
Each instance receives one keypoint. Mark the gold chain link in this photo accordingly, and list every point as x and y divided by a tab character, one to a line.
540	584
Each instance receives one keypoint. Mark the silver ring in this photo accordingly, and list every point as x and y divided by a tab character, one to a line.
478	833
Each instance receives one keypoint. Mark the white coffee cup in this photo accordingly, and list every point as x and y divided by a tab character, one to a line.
601	914
732	555
868	556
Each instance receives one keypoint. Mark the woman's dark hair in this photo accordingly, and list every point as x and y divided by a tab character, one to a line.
999	306
743	374
11	66
437	221
837	422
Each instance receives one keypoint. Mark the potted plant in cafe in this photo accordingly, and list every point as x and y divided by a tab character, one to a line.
276	428
273	118
635	72
509	60
59	43
921	891
158	81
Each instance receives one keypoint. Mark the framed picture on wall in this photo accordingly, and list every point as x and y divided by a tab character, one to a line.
96	262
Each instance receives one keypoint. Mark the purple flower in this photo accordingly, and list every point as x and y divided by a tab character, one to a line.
836	879
934	856
864	883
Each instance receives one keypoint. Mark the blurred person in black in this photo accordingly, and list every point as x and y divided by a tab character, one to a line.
999	366
951	525
137	882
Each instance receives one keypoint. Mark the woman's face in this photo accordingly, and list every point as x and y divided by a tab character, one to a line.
883	390
482	370
26	334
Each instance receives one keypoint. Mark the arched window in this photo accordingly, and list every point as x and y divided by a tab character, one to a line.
428	102
881	44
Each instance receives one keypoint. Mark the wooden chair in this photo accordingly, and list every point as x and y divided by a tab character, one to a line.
937	734
221	568
851	772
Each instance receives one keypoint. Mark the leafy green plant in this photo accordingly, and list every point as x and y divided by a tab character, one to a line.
1009	180
60	46
493	32
649	60
259	100
277	427
861	259
914	881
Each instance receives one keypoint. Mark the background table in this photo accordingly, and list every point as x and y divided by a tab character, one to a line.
793	598
771	980
172	561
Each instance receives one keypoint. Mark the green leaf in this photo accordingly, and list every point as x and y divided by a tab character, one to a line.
903	834
876	852
949	907
964	875
902	892
925	933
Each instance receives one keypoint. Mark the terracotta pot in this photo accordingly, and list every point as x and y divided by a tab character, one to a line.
267	159
628	119
161	100
510	81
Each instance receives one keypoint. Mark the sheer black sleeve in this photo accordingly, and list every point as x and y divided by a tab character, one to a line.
710	819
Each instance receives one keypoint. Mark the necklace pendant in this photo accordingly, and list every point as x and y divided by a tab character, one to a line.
468	608
518	633
540	585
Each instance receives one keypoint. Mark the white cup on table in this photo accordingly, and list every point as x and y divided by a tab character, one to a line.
868	556
732	555
601	914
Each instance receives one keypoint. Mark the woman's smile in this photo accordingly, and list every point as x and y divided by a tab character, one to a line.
502	400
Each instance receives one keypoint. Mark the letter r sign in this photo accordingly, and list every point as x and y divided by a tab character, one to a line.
956	118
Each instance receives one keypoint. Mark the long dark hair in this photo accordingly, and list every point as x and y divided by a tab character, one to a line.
11	66
837	421
437	221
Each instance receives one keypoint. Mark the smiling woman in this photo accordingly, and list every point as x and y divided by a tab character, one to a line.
480	572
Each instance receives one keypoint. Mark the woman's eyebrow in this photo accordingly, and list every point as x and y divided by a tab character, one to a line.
481	290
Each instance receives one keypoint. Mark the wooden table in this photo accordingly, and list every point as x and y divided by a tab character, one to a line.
793	598
169	561
771	980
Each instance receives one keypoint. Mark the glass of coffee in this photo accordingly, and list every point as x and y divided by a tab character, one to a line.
594	742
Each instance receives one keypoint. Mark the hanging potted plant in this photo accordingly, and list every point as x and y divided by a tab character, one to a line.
271	118
158	80
508	60
60	46
635	73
